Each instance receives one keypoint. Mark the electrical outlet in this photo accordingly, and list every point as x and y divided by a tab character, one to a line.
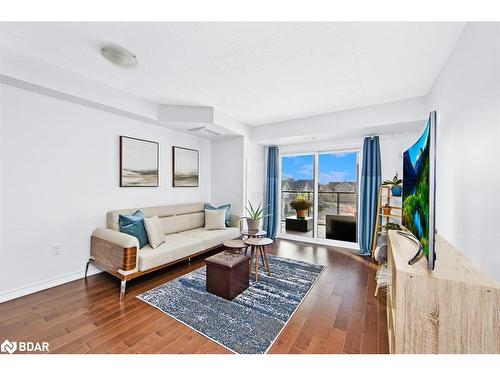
55	250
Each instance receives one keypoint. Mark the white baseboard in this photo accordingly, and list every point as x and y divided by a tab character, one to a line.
42	285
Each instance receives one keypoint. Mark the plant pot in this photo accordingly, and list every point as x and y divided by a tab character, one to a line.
386	210
301	214
253	225
396	190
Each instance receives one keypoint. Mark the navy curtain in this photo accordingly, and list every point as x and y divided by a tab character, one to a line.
272	191
370	184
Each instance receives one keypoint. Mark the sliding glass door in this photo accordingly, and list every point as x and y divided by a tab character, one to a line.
329	181
338	196
297	184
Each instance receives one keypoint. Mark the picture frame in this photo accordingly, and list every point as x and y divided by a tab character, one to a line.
139	162
185	167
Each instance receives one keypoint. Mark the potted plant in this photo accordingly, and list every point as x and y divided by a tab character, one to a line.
254	217
392	226
396	185
386	210
301	204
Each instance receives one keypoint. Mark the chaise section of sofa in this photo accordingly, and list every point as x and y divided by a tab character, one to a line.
185	236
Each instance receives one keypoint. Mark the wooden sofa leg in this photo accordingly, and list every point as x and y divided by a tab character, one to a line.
123	287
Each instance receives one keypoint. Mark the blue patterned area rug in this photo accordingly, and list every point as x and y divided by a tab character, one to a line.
250	323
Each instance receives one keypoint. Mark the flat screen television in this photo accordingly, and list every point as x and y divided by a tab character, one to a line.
419	192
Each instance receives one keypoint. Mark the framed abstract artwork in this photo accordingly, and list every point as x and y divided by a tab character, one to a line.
138	162
185	169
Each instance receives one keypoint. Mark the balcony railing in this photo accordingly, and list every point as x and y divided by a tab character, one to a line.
329	203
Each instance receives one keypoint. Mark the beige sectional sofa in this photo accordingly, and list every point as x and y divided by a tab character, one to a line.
185	236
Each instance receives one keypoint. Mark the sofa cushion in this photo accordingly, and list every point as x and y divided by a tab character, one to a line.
213	238
134	225
160	211
215	219
226	207
154	230
176	246
180	223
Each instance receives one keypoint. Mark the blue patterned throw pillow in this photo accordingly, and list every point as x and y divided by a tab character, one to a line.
228	211
134	225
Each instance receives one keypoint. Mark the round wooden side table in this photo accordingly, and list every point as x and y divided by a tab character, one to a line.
258	247
253	233
235	245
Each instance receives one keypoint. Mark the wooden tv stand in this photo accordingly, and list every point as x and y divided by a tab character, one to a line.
453	309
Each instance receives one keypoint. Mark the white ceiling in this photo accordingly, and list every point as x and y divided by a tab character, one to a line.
254	72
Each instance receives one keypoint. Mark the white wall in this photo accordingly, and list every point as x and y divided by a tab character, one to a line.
227	174
238	170
60	174
466	97
255	170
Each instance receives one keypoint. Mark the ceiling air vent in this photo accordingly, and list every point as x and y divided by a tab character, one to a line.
205	130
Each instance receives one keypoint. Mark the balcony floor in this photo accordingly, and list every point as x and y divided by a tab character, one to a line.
321	231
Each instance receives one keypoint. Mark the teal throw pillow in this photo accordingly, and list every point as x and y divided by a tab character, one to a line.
134	225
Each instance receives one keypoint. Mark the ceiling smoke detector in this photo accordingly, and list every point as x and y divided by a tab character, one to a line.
205	130
119	56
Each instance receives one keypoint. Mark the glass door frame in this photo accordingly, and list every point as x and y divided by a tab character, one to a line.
314	238
315	171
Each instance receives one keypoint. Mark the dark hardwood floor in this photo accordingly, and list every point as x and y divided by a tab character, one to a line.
340	314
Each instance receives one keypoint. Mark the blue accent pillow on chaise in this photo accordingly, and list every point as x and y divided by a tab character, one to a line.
134	225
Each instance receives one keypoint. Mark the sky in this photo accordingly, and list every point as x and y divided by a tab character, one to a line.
334	167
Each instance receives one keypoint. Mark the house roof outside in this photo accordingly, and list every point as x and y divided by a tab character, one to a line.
339	187
307	186
297	185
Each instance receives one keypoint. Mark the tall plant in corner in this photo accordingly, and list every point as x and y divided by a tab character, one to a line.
254	216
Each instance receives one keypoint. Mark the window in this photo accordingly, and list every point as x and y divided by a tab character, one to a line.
297	179
329	180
